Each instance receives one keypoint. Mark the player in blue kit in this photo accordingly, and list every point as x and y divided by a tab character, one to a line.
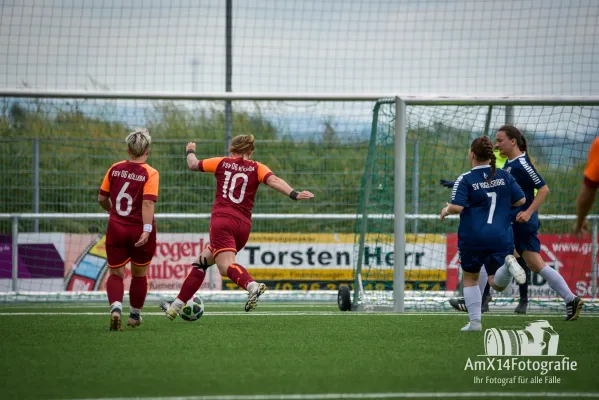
459	303
484	198
512	144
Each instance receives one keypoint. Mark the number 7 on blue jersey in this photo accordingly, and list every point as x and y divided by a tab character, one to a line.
493	197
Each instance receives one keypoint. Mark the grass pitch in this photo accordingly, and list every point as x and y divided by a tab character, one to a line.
280	350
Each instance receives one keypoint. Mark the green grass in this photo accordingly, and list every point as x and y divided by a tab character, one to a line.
278	349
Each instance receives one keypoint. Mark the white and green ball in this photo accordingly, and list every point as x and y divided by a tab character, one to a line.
193	310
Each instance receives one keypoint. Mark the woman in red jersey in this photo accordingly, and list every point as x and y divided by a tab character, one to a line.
237	181
128	193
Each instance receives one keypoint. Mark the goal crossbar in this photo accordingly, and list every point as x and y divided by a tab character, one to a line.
408	99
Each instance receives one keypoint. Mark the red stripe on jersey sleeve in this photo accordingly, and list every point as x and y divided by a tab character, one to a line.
150	197
268	175
104	193
263	172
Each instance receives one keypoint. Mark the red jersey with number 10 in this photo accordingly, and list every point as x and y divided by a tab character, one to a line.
128	184
237	182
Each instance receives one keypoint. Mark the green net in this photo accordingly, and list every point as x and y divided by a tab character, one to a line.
54	154
438	140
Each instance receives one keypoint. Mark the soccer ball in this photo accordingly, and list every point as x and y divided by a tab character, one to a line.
193	310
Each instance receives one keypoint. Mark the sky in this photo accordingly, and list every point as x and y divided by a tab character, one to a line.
524	47
445	47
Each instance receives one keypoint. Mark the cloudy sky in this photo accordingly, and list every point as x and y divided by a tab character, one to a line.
524	47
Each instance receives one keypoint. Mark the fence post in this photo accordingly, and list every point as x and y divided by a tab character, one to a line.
228	73
15	252
36	182
228	88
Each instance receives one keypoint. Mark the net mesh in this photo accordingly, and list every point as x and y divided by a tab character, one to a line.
438	139
302	46
337	150
315	146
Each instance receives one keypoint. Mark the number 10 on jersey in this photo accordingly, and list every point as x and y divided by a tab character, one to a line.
231	183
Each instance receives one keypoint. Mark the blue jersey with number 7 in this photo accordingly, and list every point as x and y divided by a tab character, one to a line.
485	222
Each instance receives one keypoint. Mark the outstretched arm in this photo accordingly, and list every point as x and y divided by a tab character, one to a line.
192	160
280	185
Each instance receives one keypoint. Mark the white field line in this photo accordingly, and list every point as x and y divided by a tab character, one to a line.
399	395
302	313
103	306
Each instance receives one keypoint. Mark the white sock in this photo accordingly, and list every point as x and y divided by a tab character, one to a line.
503	277
117	305
134	310
483	277
178	304
251	286
557	283
473	299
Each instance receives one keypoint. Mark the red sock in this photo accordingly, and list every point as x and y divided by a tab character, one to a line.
115	289
239	275
191	284
138	291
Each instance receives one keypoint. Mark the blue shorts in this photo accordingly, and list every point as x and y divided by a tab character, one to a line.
526	240
473	260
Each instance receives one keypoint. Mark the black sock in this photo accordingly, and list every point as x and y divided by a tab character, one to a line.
486	292
115	309
524	287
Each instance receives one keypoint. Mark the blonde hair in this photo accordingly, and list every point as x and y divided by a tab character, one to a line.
242	144
138	142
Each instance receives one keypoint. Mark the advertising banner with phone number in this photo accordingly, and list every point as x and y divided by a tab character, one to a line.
570	256
282	261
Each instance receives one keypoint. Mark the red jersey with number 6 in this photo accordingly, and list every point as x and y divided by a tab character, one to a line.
237	182
128	184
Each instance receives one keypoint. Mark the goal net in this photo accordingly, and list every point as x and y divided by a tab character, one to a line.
54	153
438	140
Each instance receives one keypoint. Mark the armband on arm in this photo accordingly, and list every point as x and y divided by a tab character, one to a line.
293	194
147	227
